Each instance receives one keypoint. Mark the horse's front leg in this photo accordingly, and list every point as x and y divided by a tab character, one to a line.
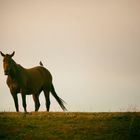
24	101
14	95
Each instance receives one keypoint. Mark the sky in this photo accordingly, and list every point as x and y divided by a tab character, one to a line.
91	47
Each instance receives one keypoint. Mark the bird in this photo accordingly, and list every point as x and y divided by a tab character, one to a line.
41	64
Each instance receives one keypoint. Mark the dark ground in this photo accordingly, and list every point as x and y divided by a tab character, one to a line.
69	126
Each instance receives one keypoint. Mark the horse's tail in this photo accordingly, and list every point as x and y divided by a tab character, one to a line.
59	100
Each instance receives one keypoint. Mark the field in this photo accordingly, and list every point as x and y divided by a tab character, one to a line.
69	126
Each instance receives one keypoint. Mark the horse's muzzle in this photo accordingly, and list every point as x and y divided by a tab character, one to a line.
6	72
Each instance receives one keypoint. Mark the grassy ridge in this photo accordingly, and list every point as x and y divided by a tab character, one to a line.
69	126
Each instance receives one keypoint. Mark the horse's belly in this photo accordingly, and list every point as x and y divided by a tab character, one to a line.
33	90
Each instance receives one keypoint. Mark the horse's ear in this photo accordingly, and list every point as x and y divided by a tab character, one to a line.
12	54
2	54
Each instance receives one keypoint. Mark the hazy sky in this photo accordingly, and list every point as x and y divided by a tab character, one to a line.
91	47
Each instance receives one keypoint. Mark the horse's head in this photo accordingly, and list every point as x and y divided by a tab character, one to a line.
7	62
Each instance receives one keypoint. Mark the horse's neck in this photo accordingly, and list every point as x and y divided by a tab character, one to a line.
15	76
15	73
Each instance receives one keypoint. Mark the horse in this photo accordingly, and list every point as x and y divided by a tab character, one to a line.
29	82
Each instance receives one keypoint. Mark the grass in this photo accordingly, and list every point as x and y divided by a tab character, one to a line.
69	126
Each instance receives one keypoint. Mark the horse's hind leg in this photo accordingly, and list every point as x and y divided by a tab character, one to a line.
47	97
36	100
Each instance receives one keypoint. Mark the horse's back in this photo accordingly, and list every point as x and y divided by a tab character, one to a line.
39	70
40	75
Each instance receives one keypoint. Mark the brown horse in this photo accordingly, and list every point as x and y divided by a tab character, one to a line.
29	81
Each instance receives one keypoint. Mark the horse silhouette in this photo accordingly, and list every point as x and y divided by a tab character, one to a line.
29	81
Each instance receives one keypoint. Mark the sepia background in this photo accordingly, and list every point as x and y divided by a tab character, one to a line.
91	47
